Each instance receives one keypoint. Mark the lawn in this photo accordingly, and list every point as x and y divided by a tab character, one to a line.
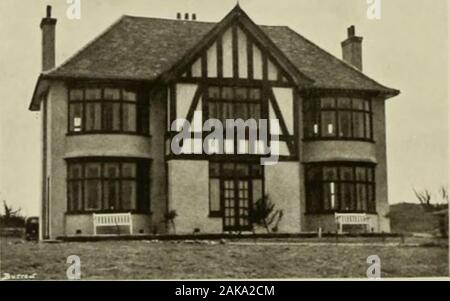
187	260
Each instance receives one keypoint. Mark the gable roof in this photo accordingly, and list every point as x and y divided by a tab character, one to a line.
141	48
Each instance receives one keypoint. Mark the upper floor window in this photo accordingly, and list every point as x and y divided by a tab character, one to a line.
107	110
340	187
114	185
234	103
338	118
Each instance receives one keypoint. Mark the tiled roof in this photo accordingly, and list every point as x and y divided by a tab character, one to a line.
139	48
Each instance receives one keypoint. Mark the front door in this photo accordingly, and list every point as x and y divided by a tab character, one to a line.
236	204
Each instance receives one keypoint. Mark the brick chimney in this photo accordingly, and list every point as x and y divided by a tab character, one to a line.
352	48
48	25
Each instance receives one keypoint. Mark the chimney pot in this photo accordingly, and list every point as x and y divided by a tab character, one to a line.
351	31
194	17
186	16
49	11
178	16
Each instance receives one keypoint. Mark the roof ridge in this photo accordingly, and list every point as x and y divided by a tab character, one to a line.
168	19
347	65
91	42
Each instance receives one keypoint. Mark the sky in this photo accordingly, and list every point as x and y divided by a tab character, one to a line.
407	49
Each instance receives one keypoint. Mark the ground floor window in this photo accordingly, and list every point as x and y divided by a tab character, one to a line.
110	185
233	188
340	187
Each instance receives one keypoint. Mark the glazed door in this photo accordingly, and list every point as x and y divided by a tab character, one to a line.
236	205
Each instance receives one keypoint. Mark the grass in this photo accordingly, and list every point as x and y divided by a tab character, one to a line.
181	260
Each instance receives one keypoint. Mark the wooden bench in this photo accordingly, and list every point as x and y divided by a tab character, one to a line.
112	219
351	219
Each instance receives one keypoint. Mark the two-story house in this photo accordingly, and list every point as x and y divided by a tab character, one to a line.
107	115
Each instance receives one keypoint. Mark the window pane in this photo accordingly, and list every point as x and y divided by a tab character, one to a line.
93	117
111	170
254	94
241	170
330	174
345	124
311	120
214	195
361	174
314	200
327	103
348	197
129	117
240	109
227	93
358	124
93	94
76	117
254	111
257	170
143	119
346	173
111	194
228	169
92	194
128	170
241	93
367	105
129	95
344	103
370	172
214	169
314	174
214	110
361	196
214	92
75	195
330	201
112	94
368	117
92	170
371	207
76	94
75	171
358	104
128	198
111	116
328	123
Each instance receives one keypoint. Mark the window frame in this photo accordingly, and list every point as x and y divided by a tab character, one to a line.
312	115
142	180
141	107
370	181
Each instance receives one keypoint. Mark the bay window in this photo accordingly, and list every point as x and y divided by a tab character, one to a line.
340	187
338	118
108	110
108	185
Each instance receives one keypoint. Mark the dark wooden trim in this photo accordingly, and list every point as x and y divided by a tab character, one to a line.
204	63
194	103
219	56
